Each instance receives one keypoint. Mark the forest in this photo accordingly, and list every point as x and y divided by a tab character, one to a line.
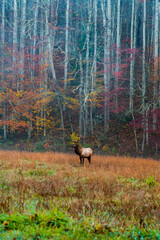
87	68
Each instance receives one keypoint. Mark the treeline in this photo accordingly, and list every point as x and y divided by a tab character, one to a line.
88	66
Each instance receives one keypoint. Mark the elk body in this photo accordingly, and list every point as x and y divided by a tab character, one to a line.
83	153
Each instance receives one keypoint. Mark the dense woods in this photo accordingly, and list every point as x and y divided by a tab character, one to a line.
86	67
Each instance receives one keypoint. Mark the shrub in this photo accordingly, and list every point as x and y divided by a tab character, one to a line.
151	182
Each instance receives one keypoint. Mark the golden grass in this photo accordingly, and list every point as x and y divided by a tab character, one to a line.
101	165
110	184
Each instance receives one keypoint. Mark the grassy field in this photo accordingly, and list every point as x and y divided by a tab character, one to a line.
50	196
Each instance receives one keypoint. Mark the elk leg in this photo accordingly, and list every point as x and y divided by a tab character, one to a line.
89	159
81	160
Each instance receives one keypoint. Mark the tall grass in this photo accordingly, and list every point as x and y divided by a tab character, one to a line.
121	191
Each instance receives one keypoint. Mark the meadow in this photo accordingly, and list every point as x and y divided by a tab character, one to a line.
50	196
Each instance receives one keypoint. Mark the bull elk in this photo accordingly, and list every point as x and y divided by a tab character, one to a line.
83	153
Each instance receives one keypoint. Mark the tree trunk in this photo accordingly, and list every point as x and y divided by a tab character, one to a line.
155	63
86	86
15	43
132	56
80	96
135	26
107	46
62	121
109	37
144	74
132	61
54	15
113	38
135	132
35	38
22	41
2	78
29	128
66	46
117	51
3	37
94	67
4	117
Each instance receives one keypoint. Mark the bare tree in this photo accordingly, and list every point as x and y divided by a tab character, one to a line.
2	79
156	39
80	96
22	41
118	49
3	36
94	66
15	39
86	85
106	10
144	73
132	61
35	28
66	45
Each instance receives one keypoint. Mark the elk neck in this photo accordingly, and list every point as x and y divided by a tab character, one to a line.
77	150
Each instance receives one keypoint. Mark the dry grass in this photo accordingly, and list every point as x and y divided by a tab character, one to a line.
113	185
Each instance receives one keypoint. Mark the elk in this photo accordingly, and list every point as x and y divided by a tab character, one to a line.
83	153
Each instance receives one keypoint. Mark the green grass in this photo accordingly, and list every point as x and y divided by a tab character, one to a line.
59	225
40	172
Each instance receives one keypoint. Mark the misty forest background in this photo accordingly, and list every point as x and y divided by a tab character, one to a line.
86	68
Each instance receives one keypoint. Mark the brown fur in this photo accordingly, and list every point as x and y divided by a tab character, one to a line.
83	153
